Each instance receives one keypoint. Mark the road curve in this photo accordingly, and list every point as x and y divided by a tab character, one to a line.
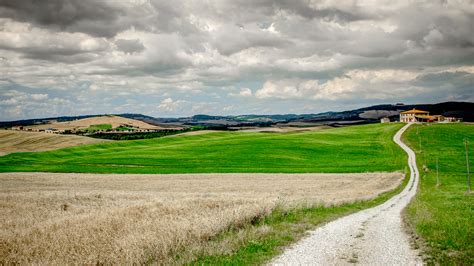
373	236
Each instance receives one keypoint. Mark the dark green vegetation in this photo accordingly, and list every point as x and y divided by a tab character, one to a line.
136	135
124	128
264	239
347	149
443	215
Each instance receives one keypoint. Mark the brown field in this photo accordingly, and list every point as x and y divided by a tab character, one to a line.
123	219
19	141
115	121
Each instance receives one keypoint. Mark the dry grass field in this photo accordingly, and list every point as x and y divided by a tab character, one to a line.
48	218
114	121
19	141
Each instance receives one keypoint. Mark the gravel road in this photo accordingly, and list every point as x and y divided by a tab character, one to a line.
371	237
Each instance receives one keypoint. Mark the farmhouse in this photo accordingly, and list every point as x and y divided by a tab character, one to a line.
419	116
423	116
412	115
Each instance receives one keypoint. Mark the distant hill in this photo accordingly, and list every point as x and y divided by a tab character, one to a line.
80	123
84	123
371	114
463	110
18	141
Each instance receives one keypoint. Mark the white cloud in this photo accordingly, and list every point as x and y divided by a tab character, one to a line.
368	84
39	97
170	105
244	92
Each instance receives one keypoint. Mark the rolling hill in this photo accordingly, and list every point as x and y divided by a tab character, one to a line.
347	149
371	114
110	121
18	141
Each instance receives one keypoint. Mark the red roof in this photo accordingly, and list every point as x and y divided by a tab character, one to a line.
415	111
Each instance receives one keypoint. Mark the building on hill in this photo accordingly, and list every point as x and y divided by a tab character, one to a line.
385	120
51	131
449	119
430	118
412	115
424	116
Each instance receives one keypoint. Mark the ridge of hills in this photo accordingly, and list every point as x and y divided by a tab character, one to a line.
371	114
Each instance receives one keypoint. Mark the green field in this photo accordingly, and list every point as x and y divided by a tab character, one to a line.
97	127
443	215
347	149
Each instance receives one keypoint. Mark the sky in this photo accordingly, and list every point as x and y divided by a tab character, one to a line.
180	58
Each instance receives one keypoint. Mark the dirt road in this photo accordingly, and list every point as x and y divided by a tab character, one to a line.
371	237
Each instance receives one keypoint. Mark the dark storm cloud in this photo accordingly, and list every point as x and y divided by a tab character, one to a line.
97	18
233	39
306	10
129	46
239	54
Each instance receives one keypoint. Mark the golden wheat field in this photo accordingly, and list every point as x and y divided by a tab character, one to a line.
19	141
57	218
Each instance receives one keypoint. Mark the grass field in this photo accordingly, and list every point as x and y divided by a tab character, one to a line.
54	218
367	148
443	215
93	128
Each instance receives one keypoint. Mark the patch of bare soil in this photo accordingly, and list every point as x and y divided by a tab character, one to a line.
20	141
54	218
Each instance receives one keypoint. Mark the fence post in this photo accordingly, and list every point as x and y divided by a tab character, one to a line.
467	166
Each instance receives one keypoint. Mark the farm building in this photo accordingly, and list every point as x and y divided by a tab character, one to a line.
412	115
451	119
51	131
385	120
423	116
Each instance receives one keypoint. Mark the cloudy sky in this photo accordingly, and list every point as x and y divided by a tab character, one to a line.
179	58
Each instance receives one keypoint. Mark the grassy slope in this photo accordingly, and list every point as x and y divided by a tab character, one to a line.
443	216
99	127
348	149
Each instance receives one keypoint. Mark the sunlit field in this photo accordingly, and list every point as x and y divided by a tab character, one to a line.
367	148
443	214
123	219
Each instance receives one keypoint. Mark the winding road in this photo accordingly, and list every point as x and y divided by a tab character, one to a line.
373	236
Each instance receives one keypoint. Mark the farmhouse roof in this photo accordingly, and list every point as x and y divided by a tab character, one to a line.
415	111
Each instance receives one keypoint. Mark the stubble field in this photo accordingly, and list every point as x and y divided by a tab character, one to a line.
123	219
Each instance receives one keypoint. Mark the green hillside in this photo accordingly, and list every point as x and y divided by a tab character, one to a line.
443	215
348	149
